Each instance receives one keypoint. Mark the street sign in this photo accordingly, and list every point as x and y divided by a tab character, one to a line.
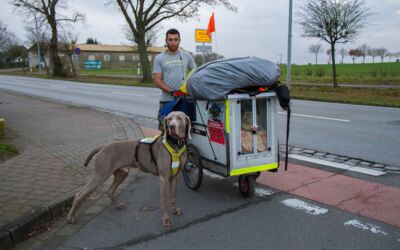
77	51
201	36
204	48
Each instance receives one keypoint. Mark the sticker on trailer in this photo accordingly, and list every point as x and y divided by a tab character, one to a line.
216	130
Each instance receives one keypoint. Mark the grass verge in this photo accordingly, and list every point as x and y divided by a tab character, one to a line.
7	151
389	97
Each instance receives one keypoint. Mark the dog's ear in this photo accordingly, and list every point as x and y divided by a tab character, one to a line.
165	125
188	128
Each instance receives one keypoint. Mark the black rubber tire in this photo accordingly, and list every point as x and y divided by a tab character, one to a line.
247	185
193	170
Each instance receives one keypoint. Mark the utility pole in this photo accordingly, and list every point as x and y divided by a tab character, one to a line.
289	49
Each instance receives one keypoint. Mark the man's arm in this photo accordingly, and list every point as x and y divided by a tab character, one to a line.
157	75
157	78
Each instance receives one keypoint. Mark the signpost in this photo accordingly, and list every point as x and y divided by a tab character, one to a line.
203	48
202	37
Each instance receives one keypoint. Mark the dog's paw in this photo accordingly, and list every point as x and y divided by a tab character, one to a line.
177	211
167	222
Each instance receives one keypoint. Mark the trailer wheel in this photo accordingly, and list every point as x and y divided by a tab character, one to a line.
193	170
247	185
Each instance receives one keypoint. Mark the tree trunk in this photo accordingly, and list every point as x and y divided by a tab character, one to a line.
144	57
333	65
316	59
55	58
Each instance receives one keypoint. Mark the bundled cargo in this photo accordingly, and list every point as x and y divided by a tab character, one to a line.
215	80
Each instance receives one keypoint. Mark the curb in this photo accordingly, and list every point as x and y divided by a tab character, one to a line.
20	229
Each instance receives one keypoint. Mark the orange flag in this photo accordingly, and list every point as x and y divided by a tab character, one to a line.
211	26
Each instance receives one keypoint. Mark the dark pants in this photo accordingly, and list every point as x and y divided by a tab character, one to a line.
160	120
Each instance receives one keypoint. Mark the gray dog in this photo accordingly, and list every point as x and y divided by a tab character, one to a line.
164	157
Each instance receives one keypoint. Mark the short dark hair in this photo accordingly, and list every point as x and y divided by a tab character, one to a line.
172	32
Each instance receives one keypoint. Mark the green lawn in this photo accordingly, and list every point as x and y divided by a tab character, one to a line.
111	71
388	97
369	73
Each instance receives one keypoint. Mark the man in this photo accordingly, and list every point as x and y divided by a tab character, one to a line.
170	67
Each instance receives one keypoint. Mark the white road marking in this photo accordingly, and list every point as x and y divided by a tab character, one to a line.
301	205
261	192
123	93
338	165
365	226
317	117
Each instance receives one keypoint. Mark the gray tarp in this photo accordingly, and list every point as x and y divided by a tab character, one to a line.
214	80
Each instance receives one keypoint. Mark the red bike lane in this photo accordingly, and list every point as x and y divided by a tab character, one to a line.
372	200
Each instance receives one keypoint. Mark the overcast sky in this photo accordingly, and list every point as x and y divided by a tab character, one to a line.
258	28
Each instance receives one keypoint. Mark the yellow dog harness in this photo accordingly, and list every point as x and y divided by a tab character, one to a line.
175	154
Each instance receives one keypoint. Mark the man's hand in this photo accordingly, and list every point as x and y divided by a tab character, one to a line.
177	93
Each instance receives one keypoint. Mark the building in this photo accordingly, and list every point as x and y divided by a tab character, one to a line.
110	56
114	56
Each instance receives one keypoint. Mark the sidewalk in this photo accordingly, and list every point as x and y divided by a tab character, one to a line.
54	140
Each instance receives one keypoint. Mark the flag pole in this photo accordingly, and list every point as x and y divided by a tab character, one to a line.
216	44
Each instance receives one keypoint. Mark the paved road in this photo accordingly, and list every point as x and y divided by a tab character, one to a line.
369	133
217	217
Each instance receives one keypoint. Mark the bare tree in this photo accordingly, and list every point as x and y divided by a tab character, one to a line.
6	37
355	53
342	53
373	53
315	49
150	38
381	52
364	49
333	22
390	55
50	12
143	16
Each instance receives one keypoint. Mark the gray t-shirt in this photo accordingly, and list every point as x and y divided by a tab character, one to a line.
173	69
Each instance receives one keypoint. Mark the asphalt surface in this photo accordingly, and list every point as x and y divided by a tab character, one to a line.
365	132
217	217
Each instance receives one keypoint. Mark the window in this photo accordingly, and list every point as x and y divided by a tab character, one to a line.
107	58
122	58
91	57
135	58
253	120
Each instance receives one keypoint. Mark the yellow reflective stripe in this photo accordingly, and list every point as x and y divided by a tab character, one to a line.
254	169
227	125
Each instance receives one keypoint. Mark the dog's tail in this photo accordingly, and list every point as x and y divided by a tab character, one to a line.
90	156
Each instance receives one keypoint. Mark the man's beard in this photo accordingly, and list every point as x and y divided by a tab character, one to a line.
173	49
